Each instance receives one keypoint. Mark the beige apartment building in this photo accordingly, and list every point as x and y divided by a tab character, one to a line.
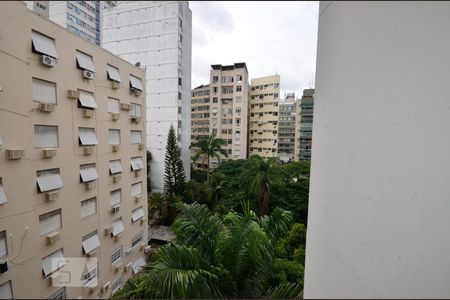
72	161
229	90
200	118
263	125
287	117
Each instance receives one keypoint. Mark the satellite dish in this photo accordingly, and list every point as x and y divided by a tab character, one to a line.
138	64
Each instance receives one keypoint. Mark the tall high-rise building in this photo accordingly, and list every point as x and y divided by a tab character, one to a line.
72	162
263	125
304	125
157	35
80	17
287	117
200	118
229	90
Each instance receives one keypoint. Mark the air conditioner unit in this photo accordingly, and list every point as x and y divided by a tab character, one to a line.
138	198
115	85
136	92
52	237
127	267
89	150
117	266
105	287
142	221
89	185
55	279
128	251
91	290
3	266
93	253
141	146
148	249
125	106
14	154
115	148
115	117
73	94
137	173
116	178
51	196
47	153
107	230
136	119
88	113
142	247
116	238
88	74
48	61
115	209
46	107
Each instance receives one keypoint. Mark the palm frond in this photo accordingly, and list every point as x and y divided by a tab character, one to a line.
285	291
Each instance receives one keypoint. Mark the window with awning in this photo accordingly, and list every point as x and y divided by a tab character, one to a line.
45	136
6	291
138	264
137	214
53	262
50	222
84	61
136	189
113	73
136	83
115	197
136	163
86	100
113	106
48	180
88	173
43	44
3	198
115	167
90	242
117	227
87	136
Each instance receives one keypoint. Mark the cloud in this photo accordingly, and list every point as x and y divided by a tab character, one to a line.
271	37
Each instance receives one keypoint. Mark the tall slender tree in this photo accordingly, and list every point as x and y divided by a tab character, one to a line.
208	148
174	174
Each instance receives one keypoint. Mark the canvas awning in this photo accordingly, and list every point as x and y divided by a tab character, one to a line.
43	44
49	182
91	244
136	83
85	61
88	174
113	73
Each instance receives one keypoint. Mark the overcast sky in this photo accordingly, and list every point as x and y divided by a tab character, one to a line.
271	37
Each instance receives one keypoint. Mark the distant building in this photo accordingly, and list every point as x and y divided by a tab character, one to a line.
287	118
80	17
158	36
263	125
304	125
200	118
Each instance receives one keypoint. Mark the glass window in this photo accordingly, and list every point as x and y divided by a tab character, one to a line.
45	136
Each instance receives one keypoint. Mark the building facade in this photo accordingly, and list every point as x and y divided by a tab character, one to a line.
157	34
378	216
305	125
72	161
263	124
287	118
229	92
80	17
200	118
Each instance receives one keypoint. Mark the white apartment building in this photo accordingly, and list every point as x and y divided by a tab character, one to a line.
158	35
287	118
72	161
378	217
80	17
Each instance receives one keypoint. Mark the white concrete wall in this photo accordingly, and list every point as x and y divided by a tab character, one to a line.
379	206
148	32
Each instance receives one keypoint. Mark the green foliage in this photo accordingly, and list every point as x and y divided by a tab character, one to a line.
208	148
286	271
162	208
199	175
215	187
174	175
149	183
196	192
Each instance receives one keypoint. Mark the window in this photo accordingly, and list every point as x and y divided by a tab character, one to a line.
45	136
117	284
113	106
238	121
84	61
88	173
6	290
86	100
136	163
179	96
215	79
115	197
238	110
238	88
115	167
42	44
137	214
3	198
50	222
179	109
90	242
89	277
215	100
238	99
114	136
59	294
43	91
136	137
227	90
88	207
136	189
87	136
181	38
48	180
136	110
116	254
117	227
137	265
227	79
3	244
137	239
215	90
135	83
113	73
179	81
238	78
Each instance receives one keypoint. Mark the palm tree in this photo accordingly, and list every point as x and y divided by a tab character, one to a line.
215	258
259	176
215	186
209	147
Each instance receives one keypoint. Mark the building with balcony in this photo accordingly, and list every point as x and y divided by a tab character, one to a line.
158	36
72	161
287	117
229	91
263	124
200	118
305	125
